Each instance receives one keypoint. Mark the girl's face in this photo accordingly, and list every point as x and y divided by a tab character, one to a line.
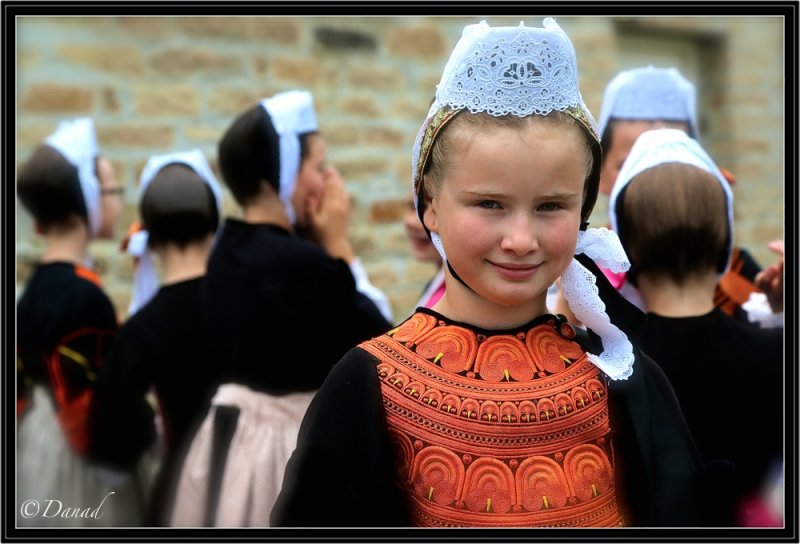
110	198
310	178
421	245
508	212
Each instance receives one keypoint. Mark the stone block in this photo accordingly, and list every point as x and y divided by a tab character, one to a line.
371	76
128	135
204	133
231	101
363	106
30	135
177	62
234	28
115	59
341	135
420	42
357	169
283	30
415	110
384	137
166	100
57	98
387	211
304	71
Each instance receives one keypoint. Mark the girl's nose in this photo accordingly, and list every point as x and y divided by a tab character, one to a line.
519	236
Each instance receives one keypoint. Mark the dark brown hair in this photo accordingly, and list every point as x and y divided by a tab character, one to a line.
178	207
50	189
673	222
249	154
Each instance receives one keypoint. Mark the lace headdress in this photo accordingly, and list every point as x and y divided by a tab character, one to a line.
145	279
77	142
662	146
292	114
526	71
650	94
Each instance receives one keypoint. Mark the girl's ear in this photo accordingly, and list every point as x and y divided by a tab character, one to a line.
430	215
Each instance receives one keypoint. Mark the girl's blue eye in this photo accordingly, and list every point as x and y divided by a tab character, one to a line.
489	204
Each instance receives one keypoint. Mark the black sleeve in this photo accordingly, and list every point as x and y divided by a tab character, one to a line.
342	473
659	469
122	419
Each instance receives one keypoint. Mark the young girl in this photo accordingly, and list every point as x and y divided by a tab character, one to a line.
66	324
486	410
283	310
673	210
166	344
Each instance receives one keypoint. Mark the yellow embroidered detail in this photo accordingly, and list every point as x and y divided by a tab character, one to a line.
78	358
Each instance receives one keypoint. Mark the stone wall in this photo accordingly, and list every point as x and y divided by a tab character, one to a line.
160	84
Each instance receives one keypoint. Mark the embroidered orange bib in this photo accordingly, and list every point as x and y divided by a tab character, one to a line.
499	430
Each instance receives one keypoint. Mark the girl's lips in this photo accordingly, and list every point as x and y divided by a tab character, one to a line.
515	271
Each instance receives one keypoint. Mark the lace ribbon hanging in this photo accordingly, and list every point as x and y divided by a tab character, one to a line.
582	295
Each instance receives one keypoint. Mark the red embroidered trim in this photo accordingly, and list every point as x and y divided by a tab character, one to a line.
509	430
73	406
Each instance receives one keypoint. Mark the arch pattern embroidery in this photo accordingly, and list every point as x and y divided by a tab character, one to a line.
502	430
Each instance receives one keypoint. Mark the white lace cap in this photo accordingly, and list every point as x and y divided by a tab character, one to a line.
582	295
533	71
516	70
76	140
650	93
292	114
665	145
145	278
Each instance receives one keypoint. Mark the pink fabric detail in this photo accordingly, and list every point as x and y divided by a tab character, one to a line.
755	512
434	298
617	279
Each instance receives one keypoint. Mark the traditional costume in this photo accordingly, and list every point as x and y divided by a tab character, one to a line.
441	423
65	327
282	313
164	347
715	354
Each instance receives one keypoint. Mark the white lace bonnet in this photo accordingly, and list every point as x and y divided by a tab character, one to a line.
530	71
76	140
292	114
650	93
145	279
666	145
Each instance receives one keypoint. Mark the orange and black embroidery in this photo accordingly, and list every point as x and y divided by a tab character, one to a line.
505	430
